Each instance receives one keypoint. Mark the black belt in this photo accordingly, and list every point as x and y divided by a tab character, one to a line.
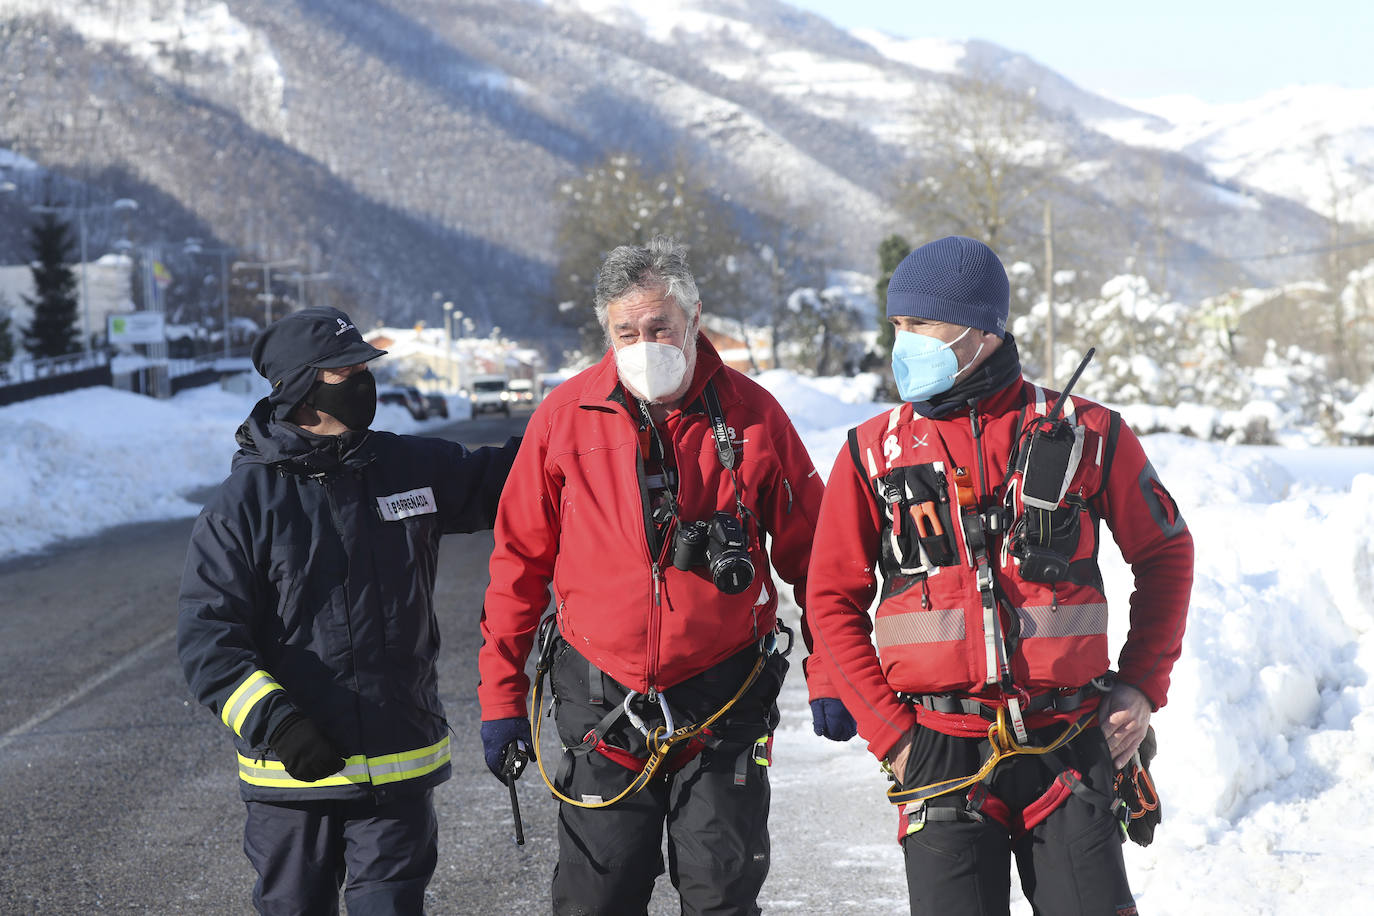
958	704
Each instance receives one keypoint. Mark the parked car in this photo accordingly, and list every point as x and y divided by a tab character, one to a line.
406	396
438	405
491	393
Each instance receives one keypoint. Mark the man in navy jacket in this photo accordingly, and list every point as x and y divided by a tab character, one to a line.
307	623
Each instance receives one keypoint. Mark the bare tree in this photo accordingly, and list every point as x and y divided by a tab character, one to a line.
987	154
619	201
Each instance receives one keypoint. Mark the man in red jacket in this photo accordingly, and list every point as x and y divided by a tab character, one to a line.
645	493
977	677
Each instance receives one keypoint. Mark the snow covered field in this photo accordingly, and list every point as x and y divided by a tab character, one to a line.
1266	763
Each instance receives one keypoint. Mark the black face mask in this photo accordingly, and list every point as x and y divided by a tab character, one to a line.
353	402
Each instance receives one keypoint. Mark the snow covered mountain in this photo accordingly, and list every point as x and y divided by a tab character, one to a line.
417	146
1312	144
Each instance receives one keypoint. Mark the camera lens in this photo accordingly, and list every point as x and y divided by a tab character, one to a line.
727	555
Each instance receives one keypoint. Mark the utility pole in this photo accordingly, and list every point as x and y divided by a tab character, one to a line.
192	246
1049	295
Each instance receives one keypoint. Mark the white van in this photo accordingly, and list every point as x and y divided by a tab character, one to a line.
522	392
491	393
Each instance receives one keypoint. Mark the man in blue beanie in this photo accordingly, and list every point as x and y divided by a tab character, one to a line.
306	623
981	680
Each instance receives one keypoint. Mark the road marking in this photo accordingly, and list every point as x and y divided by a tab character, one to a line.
54	708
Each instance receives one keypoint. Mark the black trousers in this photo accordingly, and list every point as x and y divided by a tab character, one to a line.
714	809
1070	864
304	851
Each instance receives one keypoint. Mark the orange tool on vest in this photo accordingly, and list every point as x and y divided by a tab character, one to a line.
927	513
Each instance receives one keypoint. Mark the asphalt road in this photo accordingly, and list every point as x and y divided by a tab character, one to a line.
119	791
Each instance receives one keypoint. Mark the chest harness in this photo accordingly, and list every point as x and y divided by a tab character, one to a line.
670	746
1042	484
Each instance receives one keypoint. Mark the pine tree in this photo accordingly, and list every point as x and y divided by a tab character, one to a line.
53	330
6	334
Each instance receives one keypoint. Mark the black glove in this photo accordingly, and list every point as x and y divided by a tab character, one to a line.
497	735
304	750
1136	788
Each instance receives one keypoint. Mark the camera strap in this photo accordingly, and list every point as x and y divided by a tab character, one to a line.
719	430
724	450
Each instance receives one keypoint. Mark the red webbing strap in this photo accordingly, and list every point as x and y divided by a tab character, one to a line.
1047	804
989	805
636	764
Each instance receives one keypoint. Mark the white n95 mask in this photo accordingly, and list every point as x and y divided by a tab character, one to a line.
651	369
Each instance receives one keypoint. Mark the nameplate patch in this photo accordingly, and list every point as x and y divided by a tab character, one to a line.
403	505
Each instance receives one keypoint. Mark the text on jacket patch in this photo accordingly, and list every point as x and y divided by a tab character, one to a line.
397	506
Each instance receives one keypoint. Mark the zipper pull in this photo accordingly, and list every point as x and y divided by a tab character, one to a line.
657	598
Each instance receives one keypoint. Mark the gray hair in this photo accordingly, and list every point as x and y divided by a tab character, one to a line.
662	262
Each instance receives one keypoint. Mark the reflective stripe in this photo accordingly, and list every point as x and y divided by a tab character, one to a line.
939	625
241	702
409	765
358	770
1047	621
272	773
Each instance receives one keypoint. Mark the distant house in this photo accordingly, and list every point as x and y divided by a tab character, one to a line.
740	347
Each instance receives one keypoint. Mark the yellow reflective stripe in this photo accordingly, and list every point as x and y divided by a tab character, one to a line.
241	702
273	773
358	770
409	765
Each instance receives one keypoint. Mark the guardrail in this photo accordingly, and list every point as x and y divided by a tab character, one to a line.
24	379
34	378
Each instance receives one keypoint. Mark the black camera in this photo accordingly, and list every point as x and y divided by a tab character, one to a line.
719	545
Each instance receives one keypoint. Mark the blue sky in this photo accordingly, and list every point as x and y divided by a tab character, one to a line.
1217	50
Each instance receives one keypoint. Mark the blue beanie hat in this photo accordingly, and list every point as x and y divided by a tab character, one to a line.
953	279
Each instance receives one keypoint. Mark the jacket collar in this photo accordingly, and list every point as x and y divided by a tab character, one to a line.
263	439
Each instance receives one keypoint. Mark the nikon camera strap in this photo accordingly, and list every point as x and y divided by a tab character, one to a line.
719	430
724	451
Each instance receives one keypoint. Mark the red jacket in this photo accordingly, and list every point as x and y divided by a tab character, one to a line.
572	516
929	623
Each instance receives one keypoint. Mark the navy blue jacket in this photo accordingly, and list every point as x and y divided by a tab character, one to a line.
309	587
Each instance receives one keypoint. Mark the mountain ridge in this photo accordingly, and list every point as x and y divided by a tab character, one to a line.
414	150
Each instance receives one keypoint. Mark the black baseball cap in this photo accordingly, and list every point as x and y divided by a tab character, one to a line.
292	348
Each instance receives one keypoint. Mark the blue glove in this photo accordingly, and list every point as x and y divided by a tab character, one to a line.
831	720
497	735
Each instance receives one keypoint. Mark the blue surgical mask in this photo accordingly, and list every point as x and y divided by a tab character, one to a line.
925	366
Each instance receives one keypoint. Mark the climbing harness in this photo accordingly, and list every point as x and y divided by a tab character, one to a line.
1003	745
662	740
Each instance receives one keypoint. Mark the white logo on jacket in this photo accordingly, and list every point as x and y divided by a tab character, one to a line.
892	449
